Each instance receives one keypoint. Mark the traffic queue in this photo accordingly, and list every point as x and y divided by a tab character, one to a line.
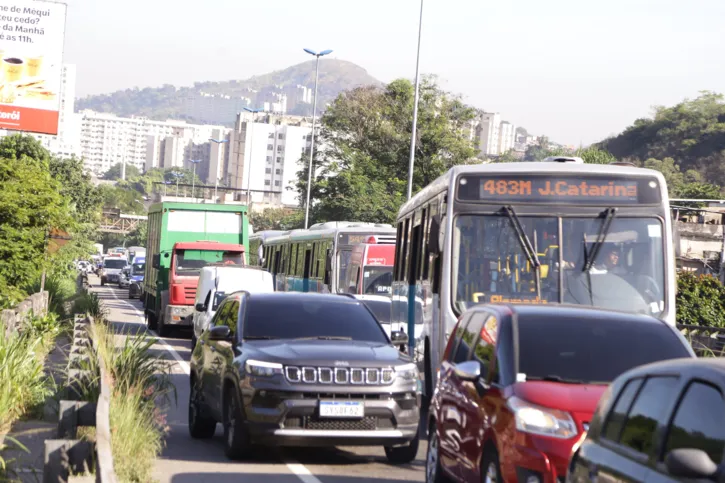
519	317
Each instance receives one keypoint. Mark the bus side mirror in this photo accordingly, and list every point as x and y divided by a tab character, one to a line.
156	261
433	237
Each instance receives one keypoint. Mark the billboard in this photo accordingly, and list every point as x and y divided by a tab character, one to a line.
32	33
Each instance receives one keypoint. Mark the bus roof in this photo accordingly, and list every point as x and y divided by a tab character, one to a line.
208	245
328	230
446	180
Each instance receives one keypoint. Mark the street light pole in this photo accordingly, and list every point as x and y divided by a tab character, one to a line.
251	147
415	107
193	177
216	175
312	139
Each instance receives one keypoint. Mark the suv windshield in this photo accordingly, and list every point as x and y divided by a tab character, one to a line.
380	309
591	351
490	264
114	263
294	318
137	268
190	262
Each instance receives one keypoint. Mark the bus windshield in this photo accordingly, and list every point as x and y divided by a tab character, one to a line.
377	280
625	262
190	262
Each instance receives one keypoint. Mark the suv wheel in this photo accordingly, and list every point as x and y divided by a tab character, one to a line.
403	454
491	470
200	426
236	441
433	469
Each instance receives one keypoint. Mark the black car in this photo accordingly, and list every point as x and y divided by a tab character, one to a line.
661	422
293	369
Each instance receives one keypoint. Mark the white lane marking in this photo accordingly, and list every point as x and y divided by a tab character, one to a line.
182	363
299	470
302	473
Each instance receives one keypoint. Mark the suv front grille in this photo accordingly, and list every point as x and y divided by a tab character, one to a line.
314	422
340	375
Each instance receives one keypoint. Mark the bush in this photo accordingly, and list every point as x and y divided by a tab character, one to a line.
700	300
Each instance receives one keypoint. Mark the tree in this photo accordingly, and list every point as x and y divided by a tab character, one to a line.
31	203
361	166
595	155
132	172
277	219
126	199
76	185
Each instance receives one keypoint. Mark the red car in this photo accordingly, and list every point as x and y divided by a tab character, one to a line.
519	383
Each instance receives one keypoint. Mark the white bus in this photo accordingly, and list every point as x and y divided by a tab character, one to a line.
543	232
316	259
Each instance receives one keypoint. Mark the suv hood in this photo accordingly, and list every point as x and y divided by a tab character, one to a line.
580	398
112	271
329	352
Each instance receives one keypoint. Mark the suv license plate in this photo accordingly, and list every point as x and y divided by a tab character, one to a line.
341	409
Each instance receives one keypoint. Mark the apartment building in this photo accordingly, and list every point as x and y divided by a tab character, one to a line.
488	133
265	155
507	137
107	139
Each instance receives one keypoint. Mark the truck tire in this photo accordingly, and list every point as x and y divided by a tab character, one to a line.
163	329
151	322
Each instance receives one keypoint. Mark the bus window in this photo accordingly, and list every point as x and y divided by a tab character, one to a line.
343	259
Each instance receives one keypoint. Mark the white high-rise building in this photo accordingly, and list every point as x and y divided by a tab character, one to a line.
265	157
489	134
507	137
107	139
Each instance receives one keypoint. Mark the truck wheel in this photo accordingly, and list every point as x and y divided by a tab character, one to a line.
103	282
151	321
163	328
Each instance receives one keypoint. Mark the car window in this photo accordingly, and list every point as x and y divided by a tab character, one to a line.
484	349
300	318
455	356
219	317
616	417
698	422
469	334
230	318
572	348
647	411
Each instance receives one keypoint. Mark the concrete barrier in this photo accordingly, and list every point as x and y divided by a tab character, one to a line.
67	455
12	320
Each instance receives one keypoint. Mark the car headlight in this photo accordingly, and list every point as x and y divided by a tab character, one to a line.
534	419
262	369
408	372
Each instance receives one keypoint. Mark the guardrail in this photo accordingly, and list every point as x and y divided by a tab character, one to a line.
68	455
705	340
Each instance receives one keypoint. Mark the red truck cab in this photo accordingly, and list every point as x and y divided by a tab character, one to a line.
187	260
370	270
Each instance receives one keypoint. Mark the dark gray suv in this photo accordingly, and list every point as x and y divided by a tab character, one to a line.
293	369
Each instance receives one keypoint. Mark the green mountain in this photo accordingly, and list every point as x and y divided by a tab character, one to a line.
219	101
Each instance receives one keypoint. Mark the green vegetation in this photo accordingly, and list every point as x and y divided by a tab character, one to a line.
277	219
168	101
700	300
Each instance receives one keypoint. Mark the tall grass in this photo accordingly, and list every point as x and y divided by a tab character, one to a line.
89	303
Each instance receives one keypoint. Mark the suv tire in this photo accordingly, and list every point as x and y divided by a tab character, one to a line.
200	426
401	455
236	439
490	467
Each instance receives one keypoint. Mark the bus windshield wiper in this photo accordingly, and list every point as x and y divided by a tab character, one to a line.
590	257
526	246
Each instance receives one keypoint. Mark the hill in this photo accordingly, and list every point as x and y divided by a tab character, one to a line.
218	102
692	133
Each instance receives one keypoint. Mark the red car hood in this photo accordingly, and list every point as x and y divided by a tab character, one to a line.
579	398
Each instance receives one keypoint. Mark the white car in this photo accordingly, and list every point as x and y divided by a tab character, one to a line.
215	283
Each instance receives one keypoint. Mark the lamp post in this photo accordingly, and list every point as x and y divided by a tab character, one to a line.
216	175
251	147
177	176
415	107
312	142
193	177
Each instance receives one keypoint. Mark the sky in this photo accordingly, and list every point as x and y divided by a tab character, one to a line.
574	70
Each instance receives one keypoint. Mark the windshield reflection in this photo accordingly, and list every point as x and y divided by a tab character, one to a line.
627	271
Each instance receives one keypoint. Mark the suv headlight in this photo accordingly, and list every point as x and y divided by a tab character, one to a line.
408	372
534	419
262	369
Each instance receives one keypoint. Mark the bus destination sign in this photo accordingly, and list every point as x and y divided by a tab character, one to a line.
559	189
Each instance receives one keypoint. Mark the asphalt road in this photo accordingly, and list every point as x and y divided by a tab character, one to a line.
185	460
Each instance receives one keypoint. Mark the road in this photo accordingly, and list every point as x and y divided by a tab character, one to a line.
185	460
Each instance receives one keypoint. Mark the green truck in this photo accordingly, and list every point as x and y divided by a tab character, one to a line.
183	238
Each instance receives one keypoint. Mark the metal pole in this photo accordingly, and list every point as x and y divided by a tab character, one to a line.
177	186
312	145
193	181
415	107
249	164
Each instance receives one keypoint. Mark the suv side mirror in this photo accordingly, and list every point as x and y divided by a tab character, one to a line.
690	463
156	261
468	371
398	337
220	332
200	307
